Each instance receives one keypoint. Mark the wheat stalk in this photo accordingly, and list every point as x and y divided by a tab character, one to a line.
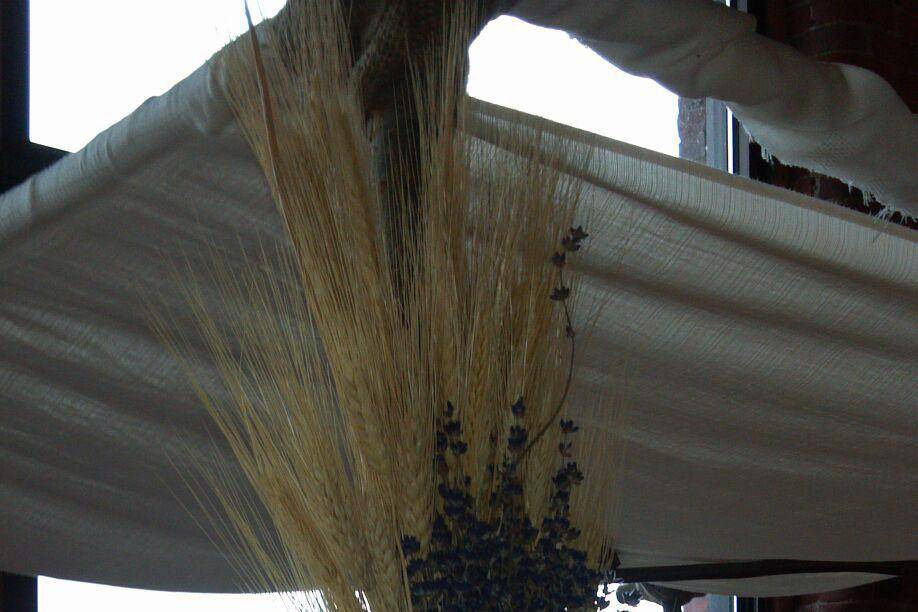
336	352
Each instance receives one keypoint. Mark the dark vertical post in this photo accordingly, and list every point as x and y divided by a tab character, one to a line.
19	158
18	593
753	604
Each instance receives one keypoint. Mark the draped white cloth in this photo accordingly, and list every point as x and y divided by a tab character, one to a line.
763	344
836	119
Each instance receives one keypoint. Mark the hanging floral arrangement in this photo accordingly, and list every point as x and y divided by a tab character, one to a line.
394	376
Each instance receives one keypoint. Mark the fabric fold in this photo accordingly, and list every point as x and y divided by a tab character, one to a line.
835	119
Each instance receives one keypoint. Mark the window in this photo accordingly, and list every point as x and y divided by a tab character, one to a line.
65	596
92	62
547	73
120	53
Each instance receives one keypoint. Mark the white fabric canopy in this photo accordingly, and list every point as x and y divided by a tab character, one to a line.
763	343
836	119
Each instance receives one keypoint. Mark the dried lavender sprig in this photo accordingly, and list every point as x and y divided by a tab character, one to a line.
571	243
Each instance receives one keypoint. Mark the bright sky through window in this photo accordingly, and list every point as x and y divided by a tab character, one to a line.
547	73
66	596
92	62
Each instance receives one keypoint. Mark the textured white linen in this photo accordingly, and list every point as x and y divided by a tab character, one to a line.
763	345
835	119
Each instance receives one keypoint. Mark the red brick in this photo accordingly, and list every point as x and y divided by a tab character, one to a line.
857	606
894	48
890	595
877	13
826	12
783	604
865	60
908	22
888	64
878	35
835	37
884	16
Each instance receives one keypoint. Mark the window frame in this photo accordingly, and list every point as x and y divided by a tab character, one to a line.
18	593
20	158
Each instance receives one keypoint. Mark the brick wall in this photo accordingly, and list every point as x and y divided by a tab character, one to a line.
692	144
879	35
875	34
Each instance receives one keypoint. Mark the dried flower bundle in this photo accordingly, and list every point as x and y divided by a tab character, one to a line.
495	558
345	345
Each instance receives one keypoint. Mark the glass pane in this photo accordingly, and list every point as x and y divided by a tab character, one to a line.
92	62
66	596
547	73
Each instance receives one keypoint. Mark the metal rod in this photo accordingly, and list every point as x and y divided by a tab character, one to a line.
756	569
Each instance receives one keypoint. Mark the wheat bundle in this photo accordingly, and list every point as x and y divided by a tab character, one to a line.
366	375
